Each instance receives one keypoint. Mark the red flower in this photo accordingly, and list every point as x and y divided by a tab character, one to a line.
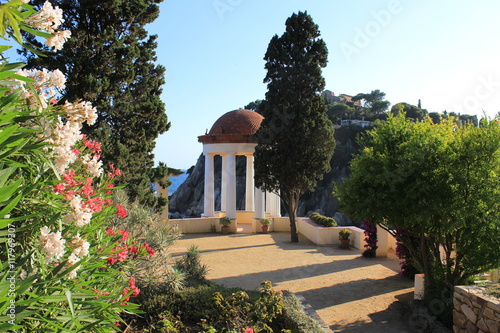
121	211
59	188
249	330
110	231
124	234
109	186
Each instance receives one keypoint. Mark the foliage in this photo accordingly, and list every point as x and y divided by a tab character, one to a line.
294	318
191	267
493	289
236	312
60	269
110	62
411	111
325	221
440	183
370	239
265	222
225	221
344	234
374	102
408	268
147	228
295	140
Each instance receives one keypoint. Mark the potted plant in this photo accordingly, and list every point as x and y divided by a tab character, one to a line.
225	222
265	225
344	235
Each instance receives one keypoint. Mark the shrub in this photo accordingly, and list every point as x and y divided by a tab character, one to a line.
370	239
145	226
265	222
294	317
323	220
191	267
225	221
344	234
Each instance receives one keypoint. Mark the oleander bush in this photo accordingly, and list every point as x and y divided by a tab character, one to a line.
322	220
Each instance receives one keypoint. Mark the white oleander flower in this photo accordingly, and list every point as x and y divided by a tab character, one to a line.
52	244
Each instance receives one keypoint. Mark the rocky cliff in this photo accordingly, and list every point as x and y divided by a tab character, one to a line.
188	199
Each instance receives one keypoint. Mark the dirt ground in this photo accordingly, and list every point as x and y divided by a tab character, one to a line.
350	293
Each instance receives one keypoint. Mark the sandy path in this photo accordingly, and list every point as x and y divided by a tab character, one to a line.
349	292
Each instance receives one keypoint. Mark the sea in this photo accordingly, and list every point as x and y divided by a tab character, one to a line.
176	182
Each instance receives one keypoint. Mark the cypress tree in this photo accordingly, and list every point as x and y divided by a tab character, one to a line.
110	61
295	141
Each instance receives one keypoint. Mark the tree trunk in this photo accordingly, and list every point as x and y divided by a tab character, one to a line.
293	227
291	202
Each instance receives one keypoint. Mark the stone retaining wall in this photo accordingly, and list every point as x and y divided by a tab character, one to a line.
474	311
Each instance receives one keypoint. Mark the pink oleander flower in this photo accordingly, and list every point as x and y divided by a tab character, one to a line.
108	187
121	211
110	231
52	244
125	234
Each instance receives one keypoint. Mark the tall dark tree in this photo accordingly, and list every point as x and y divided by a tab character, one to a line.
295	141
110	61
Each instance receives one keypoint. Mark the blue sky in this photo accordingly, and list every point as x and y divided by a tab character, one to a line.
445	53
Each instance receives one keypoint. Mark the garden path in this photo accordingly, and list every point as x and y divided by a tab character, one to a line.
350	293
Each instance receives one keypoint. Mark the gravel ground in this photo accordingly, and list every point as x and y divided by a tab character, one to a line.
349	292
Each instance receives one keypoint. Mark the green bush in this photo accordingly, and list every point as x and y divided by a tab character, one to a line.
294	317
194	272
322	220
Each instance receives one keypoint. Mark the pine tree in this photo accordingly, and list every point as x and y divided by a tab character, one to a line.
110	61
295	141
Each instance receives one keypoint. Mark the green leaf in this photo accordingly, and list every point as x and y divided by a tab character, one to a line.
5	174
70	302
8	191
36	32
7	209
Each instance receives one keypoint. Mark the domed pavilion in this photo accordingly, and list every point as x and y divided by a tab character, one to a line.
231	135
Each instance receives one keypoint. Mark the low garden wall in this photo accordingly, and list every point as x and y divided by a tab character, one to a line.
474	311
319	235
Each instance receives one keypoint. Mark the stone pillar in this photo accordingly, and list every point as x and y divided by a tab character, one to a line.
223	187
260	212
250	185
231	186
208	196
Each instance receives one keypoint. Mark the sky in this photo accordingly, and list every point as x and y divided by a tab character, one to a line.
445	53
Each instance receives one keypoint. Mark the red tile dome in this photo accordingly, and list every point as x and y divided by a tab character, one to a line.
233	127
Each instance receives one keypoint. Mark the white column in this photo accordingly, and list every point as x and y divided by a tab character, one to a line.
273	204
277	206
250	185
208	196
231	186
259	204
223	187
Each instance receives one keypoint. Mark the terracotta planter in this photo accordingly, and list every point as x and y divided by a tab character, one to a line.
224	229
344	243
265	229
